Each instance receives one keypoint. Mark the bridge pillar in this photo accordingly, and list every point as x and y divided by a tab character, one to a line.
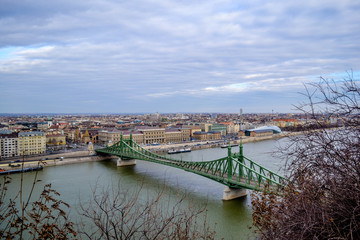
128	162
232	193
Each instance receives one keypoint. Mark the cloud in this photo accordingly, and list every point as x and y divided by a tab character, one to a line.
125	50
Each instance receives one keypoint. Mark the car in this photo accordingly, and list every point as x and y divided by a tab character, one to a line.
18	160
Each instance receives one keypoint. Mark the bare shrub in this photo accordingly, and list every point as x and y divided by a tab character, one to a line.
118	214
44	218
322	200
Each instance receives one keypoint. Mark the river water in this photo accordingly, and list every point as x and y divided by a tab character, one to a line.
75	183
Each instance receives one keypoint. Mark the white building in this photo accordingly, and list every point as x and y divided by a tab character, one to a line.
9	145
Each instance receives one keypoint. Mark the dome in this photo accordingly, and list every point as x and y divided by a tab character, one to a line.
275	129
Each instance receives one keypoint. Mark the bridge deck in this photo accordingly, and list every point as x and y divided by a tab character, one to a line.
235	170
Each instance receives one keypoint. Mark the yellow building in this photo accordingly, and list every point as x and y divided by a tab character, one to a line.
173	135
153	135
32	143
111	137
205	127
186	133
281	123
138	137
194	130
200	135
55	139
211	135
146	135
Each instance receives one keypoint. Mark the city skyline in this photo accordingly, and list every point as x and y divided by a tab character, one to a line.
170	56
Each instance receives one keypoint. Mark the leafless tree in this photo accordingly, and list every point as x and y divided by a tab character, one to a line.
322	199
110	214
117	214
44	218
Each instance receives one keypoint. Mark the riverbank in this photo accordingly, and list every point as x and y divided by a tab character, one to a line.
57	159
216	143
90	156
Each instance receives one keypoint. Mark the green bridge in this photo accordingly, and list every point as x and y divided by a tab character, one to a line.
235	170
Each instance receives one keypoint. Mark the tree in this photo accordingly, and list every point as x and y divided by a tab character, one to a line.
117	214
322	198
110	214
44	218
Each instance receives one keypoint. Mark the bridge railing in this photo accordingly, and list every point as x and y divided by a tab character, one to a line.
244	172
250	174
147	152
255	174
272	175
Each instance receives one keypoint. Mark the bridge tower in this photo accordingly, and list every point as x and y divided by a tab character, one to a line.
231	193
121	162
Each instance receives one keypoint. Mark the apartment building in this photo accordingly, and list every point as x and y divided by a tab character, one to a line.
9	145
32	143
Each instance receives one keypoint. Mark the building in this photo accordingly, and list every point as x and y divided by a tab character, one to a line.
9	145
146	135
194	130
205	127
137	136
153	134
186	133
219	127
241	133
173	135
32	143
274	129
259	133
43	126
55	139
263	131
211	135
285	122
200	135
231	128
111	137
214	135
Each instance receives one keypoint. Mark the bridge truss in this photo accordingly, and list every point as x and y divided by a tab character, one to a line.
235	170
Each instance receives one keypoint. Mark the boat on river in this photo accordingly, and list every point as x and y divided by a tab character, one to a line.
226	145
19	170
181	150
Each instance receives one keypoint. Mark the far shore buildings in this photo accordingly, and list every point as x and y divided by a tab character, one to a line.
22	144
9	145
55	139
146	135
210	135
286	122
32	143
261	131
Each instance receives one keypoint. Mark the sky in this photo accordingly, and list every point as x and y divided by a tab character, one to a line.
113	56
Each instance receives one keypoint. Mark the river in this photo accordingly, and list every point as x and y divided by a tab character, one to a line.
232	218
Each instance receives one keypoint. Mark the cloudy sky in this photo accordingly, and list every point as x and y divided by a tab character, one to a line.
132	56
